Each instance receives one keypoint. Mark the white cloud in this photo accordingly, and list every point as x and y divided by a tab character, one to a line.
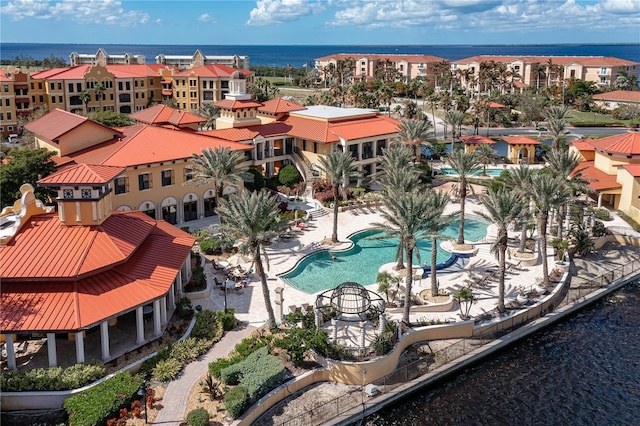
205	17
269	12
490	15
84	11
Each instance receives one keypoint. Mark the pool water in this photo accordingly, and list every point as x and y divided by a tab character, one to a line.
318	271
490	172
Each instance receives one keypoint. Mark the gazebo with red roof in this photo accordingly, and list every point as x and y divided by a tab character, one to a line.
471	142
521	149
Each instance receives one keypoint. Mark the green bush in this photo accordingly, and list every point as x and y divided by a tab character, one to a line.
198	417
288	176
208	326
147	366
103	401
258	180
296	342
183	307
235	401
230	376
216	367
602	214
250	344
227	319
190	349
167	370
51	379
258	373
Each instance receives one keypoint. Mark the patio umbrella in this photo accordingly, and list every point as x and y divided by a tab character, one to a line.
241	260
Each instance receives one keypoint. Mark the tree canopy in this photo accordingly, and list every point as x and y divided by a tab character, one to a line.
112	119
25	166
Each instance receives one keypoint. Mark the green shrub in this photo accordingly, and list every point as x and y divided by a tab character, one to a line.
50	379
198	417
635	225
147	366
189	349
258	373
167	370
602	214
258	180
183	307
103	401
250	344
288	176
208	326
227	319
216	367
235	401
230	375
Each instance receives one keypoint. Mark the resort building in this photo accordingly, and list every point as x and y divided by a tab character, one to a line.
617	98
101	57
199	59
8	110
539	71
165	116
155	159
368	66
86	275
611	168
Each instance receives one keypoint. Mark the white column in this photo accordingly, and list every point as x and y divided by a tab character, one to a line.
360	151
156	317
599	199
104	339
51	350
11	352
163	310
139	326
80	347
172	296
180	284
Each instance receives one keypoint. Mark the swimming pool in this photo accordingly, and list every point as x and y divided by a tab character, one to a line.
318	271
490	172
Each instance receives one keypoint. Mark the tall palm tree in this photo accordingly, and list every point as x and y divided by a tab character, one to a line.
99	91
454	119
520	179
219	166
210	112
486	155
539	71
85	97
437	221
339	168
546	193
416	133
501	207
557	128
465	164
405	218
253	219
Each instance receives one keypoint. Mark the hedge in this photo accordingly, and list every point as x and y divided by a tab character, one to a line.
103	401
235	401
198	417
51	379
242	350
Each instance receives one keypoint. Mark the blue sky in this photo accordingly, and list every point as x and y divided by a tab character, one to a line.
331	22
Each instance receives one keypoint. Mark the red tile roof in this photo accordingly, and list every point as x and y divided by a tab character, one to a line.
58	122
73	304
596	178
234	104
625	143
279	105
236	134
349	129
277	128
583	144
633	169
88	174
144	144
162	114
476	139
520	140
619	95
212	70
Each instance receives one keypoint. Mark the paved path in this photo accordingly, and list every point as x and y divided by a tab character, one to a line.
177	394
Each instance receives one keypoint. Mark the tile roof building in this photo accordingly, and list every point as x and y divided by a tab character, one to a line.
617	98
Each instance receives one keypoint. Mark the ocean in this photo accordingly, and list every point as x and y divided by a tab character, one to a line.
297	56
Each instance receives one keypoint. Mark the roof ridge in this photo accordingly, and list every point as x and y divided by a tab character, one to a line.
126	141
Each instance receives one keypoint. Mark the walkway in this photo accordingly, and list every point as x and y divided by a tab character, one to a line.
176	395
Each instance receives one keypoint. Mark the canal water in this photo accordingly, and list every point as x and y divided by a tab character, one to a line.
582	371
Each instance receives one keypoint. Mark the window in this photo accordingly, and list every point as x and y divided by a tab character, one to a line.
193	83
59	99
127	85
9	118
142	83
168	177
188	173
145	181
7	102
121	185
110	96
142	95
1	115
107	84
79	87
573	73
40	85
32	86
603	80
135	83
86	193
70	87
33	98
67	193
59	86
137	95
91	84
119	85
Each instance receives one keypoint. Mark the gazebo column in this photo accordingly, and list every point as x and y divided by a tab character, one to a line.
599	199
163	310
156	317
11	352
51	350
80	347
104	339
139	326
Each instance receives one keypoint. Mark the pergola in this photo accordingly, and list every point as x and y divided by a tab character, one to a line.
351	302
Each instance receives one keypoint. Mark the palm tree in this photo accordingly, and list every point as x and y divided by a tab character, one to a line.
556	125
438	201
405	218
210	112
539	71
85	97
253	219
416	133
465	164
219	166
520	179
546	193
339	168
501	207
486	155
99	91
454	119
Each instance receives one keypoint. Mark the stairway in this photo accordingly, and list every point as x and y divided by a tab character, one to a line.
306	172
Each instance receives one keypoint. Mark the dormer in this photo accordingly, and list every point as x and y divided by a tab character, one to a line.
84	194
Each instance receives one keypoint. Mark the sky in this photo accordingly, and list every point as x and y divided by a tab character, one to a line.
320	22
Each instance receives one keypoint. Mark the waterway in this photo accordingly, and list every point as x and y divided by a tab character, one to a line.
584	370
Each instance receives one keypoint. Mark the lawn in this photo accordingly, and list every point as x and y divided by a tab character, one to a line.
595	119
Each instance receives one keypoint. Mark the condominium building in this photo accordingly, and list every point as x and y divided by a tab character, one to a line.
198	59
101	57
369	66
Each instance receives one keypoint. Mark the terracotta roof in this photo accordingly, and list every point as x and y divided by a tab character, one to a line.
279	105
212	70
277	128
557	60
596	178
234	104
69	305
350	129
619	95
520	140
73	73
404	57
520	84
144	144
493	104
3	77
476	139
89	174
232	134
583	144
58	122
161	114
633	169
625	143
315	130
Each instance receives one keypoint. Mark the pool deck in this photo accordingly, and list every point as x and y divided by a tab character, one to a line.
285	254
